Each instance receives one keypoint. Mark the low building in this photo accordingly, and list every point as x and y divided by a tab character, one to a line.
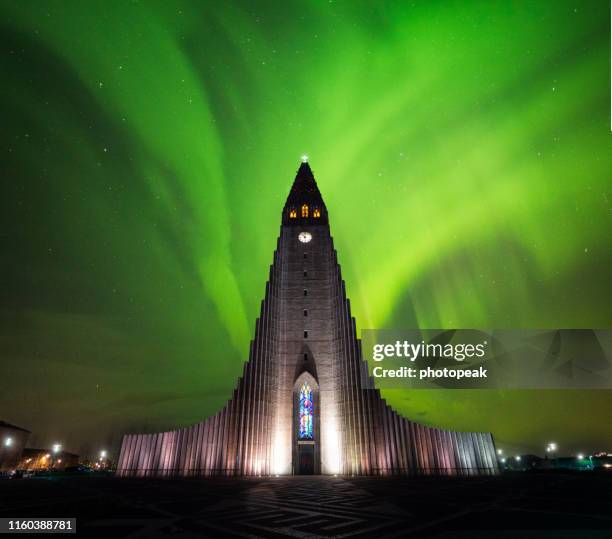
12	443
45	459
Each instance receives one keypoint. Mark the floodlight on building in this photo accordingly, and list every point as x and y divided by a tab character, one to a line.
8	442
57	448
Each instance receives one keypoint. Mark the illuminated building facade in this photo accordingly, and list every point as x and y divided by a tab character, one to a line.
302	405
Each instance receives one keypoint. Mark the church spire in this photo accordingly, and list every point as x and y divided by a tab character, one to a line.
304	202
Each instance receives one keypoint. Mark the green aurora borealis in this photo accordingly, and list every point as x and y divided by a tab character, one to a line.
463	150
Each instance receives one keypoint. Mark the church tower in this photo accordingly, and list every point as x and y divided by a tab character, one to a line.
302	405
307	424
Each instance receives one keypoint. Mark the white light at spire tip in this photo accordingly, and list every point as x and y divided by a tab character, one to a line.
304	158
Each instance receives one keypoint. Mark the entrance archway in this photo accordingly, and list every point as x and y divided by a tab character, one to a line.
306	425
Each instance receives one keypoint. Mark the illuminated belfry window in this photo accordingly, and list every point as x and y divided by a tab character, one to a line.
316	213
305	210
306	413
292	213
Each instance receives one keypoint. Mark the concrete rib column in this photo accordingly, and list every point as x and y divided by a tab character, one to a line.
207	446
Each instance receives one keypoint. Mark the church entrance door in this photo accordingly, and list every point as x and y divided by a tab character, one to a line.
305	458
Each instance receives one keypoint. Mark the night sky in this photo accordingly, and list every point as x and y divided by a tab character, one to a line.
463	150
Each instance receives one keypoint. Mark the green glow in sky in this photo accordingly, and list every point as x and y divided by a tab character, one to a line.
463	149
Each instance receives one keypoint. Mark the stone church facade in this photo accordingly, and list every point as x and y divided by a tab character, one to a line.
304	404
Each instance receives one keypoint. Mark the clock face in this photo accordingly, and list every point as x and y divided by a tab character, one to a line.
305	237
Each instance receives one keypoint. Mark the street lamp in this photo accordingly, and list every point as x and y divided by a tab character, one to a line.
8	442
56	449
579	456
517	458
103	454
500	451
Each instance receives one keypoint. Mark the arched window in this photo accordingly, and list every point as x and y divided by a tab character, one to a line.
305	210
292	213
306	412
316	213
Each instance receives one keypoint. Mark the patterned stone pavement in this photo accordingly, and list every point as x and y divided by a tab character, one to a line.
548	506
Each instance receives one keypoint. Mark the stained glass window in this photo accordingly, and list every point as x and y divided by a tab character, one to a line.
306	412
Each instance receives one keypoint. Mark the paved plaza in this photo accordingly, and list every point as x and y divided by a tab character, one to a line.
546	505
